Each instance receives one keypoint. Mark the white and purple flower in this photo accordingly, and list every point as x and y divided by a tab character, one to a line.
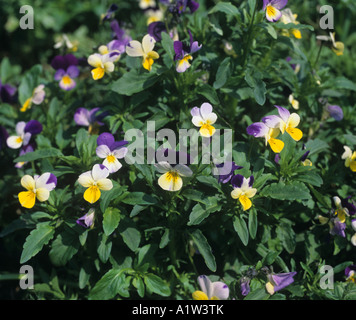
24	132
204	117
183	53
111	150
243	190
89	118
279	281
66	70
87	221
272	8
217	290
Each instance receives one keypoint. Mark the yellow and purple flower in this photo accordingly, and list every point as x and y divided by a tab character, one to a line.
223	176
204	117
24	132
272	8
7	93
95	181
111	150
350	158
243	190
145	50
37	98
145	4
337	47
286	122
182	5
102	63
66	70
90	118
350	273
260	129
38	187
217	290
277	282
288	17
183	53
171	179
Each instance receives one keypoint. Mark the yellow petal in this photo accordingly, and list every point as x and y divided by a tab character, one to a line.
147	63
270	288
199	295
28	182
339	48
276	145
170	181
236	193
92	194
295	133
206	130
42	194
27	199
26	105
153	54
98	73
245	202
353	166
296	33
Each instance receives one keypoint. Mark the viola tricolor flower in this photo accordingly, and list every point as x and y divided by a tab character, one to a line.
182	6
155	29
273	8
87	221
260	129
7	93
335	112
25	149
145	50
183	53
102	64
245	286
217	290
71	46
350	158
37	187
288	17
243	190
344	208
66	70
89	118
120	37
145	4
337	227
350	273
293	102
279	281
37	98
204	117
336	46
95	180
286	122
171	179
109	13
111	151
24	132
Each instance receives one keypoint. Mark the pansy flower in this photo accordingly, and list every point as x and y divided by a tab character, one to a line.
25	149
154	16
224	175
344	208
288	17
350	158
87	221
145	50
182	6
245	286
350	273
243	190
286	122
90	118
102	64
217	290
155	29
336	46
37	98
273	8
145	4
111	150
95	181
204	117
335	112
122	39
279	281
294	102
337	227
66	70
38	187
24	132
260	129
171	179
109	13
7	93
64	41
183	53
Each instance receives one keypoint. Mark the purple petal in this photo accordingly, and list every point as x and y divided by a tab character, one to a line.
59	74
92	114
257	129
52	180
348	205
81	117
251	181
73	71
237	181
178	49
349	269
283	280
284	113
70	60
265	3
33	127
192	5
226	171
118	145
279	4
58	62
106	138
271	121
7	93
336	112
155	29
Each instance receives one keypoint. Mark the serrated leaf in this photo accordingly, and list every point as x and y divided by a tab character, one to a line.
281	191
36	240
111	219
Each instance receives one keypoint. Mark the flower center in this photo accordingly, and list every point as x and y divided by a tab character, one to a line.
110	158
66	80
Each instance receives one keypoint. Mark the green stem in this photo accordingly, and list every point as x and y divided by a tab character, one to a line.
317	58
250	28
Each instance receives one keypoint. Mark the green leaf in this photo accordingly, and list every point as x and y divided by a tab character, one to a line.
104	248
240	227
222	74
167	44
225	7
254	80
39	154
252	223
258	294
111	219
204	248
157	285
281	191
36	240
208	92
286	235
201	211
64	247
130	235
139	198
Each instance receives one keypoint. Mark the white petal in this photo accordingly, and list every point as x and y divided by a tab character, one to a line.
86	179
206	109
42	194
347	153
14	142
120	153
134	49
99	172
28	182
163	166
183	170
198	121
113	166
104	184
148	43
103	151
20	128
95	60
211	118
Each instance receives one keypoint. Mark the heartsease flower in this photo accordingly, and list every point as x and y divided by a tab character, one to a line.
171	179
90	118
145	4
350	158
7	93
111	150
37	98
38	187
243	190
87	221
95	181
24	132
145	50
183	53
272	8
204	117
103	64
217	290
223	176
66	70
279	281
